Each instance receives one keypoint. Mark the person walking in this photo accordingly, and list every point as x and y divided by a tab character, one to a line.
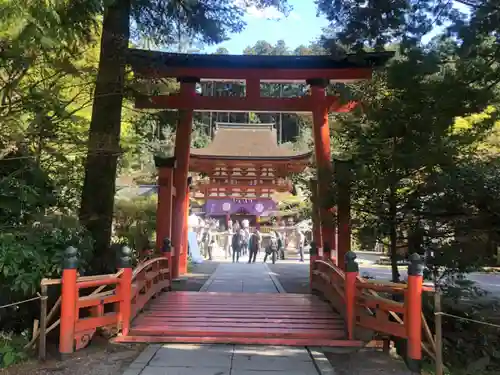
246	239
210	248
254	246
237	244
227	243
272	248
281	245
301	239
205	241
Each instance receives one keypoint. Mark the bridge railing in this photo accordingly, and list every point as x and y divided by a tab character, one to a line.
389	309
102	302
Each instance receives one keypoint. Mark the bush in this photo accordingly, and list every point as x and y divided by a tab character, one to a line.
11	349
31	253
135	222
468	347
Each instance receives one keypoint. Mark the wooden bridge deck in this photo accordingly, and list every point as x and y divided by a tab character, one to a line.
239	318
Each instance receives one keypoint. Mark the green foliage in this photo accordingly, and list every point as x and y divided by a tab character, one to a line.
11	349
135	222
32	252
469	347
405	137
199	137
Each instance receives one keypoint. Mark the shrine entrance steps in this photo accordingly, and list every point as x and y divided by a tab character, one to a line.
240	305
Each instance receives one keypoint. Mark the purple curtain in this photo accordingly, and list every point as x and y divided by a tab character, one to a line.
257	207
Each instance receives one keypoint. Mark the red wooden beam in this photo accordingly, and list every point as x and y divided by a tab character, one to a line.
240	340
209	165
240	188
239	104
266	75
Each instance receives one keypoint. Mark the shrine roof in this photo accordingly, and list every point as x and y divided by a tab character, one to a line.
247	141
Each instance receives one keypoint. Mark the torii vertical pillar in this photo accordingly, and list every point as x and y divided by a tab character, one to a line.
321	135
182	148
183	261
316	220
164	210
343	181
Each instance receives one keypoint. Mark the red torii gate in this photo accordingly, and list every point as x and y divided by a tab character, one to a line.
189	69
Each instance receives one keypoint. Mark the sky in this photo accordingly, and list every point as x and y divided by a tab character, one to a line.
300	27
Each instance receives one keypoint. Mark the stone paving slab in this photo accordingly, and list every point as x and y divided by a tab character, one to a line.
271	363
299	353
191	356
242	277
186	371
192	359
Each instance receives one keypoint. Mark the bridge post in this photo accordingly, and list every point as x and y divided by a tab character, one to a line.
124	289
313	256
69	295
351	273
166	250
414	312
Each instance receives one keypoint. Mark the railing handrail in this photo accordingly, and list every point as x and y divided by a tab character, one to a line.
332	266
49	282
403	319
362	280
142	266
394	285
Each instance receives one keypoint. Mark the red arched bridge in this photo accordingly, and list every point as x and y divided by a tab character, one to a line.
343	310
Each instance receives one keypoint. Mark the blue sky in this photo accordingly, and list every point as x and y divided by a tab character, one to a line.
300	27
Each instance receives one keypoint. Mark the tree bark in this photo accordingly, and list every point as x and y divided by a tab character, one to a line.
96	210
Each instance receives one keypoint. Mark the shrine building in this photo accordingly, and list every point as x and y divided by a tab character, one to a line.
244	166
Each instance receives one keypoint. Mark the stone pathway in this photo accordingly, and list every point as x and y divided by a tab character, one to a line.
189	359
242	277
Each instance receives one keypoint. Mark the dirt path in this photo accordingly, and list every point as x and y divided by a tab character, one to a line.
100	358
103	357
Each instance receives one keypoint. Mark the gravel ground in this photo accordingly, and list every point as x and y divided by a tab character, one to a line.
294	277
366	362
100	358
103	357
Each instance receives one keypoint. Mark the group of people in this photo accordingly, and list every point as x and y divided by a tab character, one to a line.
206	238
240	241
243	242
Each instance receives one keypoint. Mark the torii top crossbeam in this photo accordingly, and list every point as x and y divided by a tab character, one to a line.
153	64
253	70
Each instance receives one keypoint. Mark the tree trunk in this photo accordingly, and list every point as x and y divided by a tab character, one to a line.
393	236
96	210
